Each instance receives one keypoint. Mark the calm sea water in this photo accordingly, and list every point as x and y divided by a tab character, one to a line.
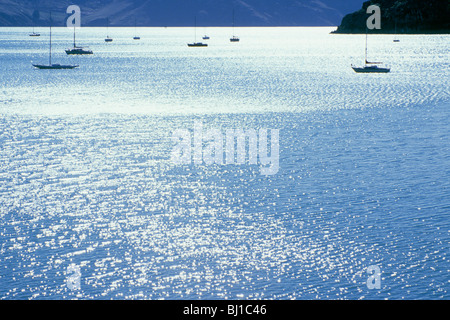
86	176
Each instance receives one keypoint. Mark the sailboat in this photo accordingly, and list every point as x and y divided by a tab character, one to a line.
196	44
396	39
205	37
34	34
108	39
370	67
50	65
234	38
135	29
78	50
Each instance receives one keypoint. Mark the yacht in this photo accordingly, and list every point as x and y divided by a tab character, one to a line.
136	37
107	39
370	67
51	65
196	44
77	50
35	34
234	38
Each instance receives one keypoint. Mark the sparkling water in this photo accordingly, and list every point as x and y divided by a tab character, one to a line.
88	190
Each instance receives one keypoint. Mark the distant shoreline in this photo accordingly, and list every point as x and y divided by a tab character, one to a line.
186	26
379	32
397	33
387	32
400	17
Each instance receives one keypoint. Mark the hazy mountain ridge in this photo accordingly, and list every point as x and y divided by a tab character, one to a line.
402	16
180	12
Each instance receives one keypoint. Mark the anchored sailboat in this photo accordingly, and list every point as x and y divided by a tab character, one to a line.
196	44
370	67
108	39
234	38
50	65
78	50
136	37
396	38
34	34
205	37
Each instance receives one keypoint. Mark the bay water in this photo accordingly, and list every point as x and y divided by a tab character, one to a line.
87	180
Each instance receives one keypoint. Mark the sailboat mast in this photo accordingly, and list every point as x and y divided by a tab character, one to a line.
366	46
50	54
233	22
74	37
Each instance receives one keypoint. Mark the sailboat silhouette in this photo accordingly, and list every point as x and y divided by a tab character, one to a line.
107	39
34	34
234	38
370	67
396	38
50	65
77	50
196	44
136	37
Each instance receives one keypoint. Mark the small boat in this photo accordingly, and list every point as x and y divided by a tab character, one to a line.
370	67
135	29
234	38
35	34
107	39
77	50
396	39
205	37
196	44
50	64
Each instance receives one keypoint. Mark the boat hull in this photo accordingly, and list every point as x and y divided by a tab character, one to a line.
55	66
371	70
199	44
78	52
